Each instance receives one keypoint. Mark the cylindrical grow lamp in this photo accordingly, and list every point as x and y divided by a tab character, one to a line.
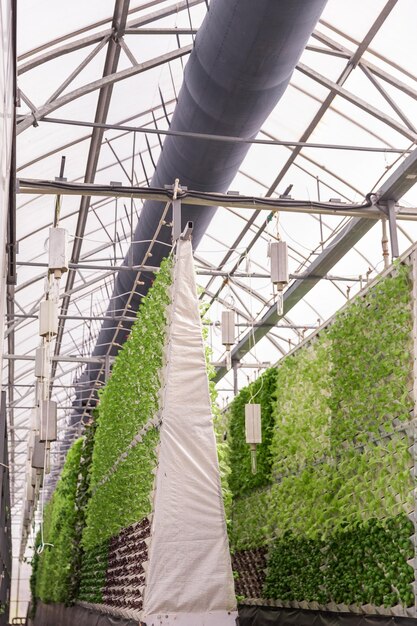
253	430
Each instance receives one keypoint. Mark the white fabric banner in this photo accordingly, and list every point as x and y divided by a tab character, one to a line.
189	579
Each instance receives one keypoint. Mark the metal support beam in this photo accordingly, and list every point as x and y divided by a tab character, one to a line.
88	266
106	82
90	40
227	138
161	31
400	181
359	102
346	72
55	359
83	318
31	186
392	220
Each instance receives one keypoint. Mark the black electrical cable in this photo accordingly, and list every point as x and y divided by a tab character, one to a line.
210	198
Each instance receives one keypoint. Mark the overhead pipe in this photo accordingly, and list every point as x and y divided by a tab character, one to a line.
244	55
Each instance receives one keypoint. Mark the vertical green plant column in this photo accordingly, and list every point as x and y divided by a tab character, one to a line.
371	353
120	495
294	399
371	403
220	424
301	442
355	475
301	431
34	577
250	506
81	502
94	562
55	561
250	520
262	392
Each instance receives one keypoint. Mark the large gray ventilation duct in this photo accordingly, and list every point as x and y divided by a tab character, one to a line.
245	53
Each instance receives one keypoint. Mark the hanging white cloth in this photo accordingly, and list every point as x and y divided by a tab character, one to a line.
189	579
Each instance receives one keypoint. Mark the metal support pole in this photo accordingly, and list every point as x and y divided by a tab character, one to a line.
106	367
176	220
235	381
384	241
58	199
392	220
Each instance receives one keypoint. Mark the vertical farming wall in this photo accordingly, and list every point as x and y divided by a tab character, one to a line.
136	527
329	521
111	506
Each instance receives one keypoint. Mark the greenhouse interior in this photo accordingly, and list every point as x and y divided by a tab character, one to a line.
208	411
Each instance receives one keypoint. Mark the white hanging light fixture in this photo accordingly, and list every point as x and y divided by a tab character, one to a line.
38	453
48	318
253	430
47	411
58	252
278	252
41	362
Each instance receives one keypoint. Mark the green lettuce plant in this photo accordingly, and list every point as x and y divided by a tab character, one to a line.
362	563
93	573
127	402
54	564
371	355
82	497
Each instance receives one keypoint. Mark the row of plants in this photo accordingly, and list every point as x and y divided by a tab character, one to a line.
262	392
335	463
97	502
371	357
56	543
81	501
358	564
93	573
321	395
127	402
115	478
375	482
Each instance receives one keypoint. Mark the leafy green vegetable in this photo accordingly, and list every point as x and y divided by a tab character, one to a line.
34	577
362	564
127	402
371	356
54	564
339	488
81	502
93	573
250	520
